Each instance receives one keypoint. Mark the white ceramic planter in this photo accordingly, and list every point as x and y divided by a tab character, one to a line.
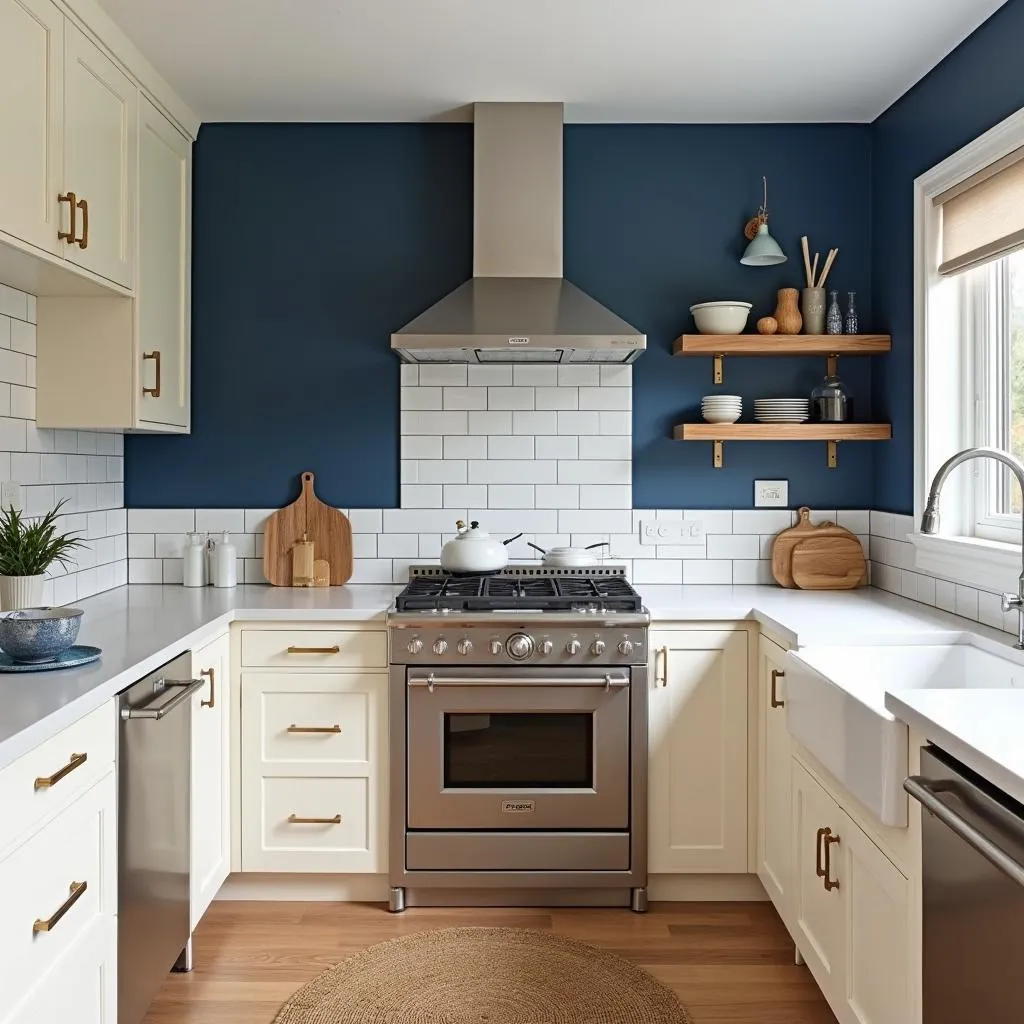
20	592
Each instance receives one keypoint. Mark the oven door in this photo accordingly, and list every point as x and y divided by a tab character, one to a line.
528	749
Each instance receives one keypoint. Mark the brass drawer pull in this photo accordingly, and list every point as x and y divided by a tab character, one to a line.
72	200
46	781
155	356
294	819
830	838
212	702
777	674
83	242
314	728
49	923
818	869
315	650
661	680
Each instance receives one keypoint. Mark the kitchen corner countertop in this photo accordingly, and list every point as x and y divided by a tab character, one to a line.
140	628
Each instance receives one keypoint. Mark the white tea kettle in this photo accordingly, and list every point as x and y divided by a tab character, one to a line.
474	550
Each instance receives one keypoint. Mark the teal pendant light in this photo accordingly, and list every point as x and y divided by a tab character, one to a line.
763	250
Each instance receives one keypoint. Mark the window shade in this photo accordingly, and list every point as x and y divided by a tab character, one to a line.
983	216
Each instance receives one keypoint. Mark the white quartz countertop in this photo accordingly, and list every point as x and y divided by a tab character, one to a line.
982	728
140	628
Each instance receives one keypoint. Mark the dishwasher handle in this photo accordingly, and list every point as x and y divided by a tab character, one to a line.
926	792
155	713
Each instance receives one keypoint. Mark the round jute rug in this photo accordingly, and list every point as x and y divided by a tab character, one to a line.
484	976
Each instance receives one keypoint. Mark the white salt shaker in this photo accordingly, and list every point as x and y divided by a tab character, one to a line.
224	562
194	569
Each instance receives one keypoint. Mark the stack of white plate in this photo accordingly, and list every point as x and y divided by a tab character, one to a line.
782	410
721	408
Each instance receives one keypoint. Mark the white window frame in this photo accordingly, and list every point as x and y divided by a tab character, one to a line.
946	416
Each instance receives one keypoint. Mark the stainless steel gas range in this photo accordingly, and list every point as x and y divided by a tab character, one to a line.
519	739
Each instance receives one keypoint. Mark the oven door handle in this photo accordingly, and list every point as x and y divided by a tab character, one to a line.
605	682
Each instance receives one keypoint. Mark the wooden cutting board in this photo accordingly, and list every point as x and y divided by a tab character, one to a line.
787	540
308	516
829	563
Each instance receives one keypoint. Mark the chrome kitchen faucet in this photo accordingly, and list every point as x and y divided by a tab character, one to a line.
930	517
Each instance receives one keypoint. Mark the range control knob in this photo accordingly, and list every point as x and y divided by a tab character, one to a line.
519	646
496	647
597	648
464	646
440	646
546	647
625	647
573	647
415	646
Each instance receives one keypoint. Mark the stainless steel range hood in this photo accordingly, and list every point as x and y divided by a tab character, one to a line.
517	307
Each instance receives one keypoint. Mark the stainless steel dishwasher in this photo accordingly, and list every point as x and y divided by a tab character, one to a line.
973	842
154	782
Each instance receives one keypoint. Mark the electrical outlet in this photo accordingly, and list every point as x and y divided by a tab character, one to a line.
10	495
672	531
771	493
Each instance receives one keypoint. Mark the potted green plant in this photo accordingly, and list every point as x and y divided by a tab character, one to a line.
28	547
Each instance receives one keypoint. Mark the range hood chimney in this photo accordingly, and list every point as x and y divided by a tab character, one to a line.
517	307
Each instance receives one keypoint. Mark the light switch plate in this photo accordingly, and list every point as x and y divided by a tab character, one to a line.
672	531
771	493
10	495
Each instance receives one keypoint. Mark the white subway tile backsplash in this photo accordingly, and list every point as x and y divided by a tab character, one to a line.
606	398
422	398
556	447
515	446
417	422
599	521
145	570
421	496
216	520
415	520
966	602
557	398
734	546
426	447
649	570
513	471
610	471
443	374
444	471
855	522
544	422
465	495
576	423
398	545
713	520
597	446
511	521
756	520
490	376
945	595
510	398
535	376
409	374
752	572
616	376
364	545
165	520
363	520
465	398
615	423
606	496
469	447
579	376
990	610
557	496
707	571
255	519
510	496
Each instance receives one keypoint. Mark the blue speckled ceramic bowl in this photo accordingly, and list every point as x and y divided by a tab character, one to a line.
36	635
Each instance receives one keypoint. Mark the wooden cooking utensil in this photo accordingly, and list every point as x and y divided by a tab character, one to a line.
307	517
787	540
829	563
302	563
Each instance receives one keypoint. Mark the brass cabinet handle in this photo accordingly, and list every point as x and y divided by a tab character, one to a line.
72	200
315	650
83	242
662	652
49	923
155	356
294	819
212	702
777	674
818	869
46	781
314	728
830	838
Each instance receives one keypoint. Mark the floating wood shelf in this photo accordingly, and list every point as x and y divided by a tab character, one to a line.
831	433
830	345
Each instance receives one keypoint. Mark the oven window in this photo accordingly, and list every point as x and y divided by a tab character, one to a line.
506	751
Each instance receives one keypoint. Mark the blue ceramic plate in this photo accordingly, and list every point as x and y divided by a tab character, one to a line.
78	655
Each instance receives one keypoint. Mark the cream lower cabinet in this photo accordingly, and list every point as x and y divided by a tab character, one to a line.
698	751
851	911
775	788
211	775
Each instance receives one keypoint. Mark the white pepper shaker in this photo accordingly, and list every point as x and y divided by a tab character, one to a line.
225	565
194	568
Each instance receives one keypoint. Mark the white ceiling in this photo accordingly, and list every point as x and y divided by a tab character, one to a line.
607	60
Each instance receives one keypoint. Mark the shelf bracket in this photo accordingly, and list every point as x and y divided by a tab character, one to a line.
832	365
719	368
833	454
717	456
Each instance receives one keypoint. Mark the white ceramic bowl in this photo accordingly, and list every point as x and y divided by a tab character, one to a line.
721	317
720	417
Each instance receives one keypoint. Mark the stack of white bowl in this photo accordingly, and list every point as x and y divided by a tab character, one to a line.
721	408
782	410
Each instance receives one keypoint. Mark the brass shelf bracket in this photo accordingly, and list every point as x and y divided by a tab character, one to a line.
833	454
717	454
719	368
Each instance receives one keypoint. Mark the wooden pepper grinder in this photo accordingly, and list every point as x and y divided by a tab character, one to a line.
302	563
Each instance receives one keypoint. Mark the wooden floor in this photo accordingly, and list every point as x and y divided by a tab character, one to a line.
728	962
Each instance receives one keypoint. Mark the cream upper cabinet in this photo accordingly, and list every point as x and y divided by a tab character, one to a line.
100	141
775	787
162	285
31	48
698	752
211	775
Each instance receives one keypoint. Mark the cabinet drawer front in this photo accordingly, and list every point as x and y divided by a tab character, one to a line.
57	885
315	727
56	773
319	816
309	648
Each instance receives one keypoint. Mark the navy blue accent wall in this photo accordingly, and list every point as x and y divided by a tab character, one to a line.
976	86
313	242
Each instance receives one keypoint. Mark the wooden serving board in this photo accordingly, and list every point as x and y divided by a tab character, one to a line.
308	516
787	540
829	563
